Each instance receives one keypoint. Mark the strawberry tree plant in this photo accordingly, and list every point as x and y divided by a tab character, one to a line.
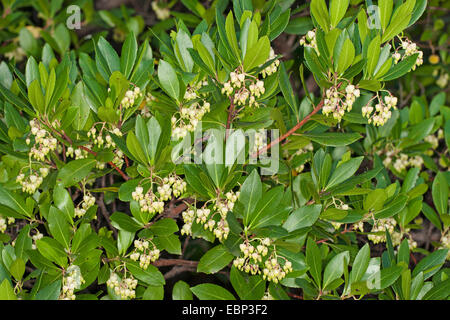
189	149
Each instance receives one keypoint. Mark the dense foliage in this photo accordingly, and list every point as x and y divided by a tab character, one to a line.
224	149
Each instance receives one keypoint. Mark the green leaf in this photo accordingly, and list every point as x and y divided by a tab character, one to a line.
343	172
401	68
314	261
231	35
385	12
168	79
209	291
75	171
49	292
375	200
109	55
335	268
124	222
384	277
181	291
257	54
214	260
440	291
399	21
360	264
59	227
320	12
52	250
6	291
265	207
14	201
338	8
333	139
17	269
286	89
431	263
171	243
346	56
151	276
247	287
164	227
373	54
440	193
251	192
36	97
128	55
135	148
302	217
153	293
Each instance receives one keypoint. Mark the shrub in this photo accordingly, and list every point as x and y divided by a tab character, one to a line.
128	174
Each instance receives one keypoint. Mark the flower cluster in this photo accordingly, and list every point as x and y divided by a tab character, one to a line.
83	206
130	97
309	40
308	148
189	117
33	181
161	13
77	153
255	260
4	223
445	241
44	141
154	203
382	111
273	67
409	48
379	229
244	88
144	254
402	161
260	140
205	216
72	280
125	288
337	102
35	238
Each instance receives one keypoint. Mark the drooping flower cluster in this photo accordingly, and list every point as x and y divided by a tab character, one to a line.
162	13
83	206
260	140
33	181
409	48
445	241
379	228
191	113
189	118
205	216
154	202
243	88
273	67
44	141
337	103
130	97
35	238
144	254
78	153
382	112
125	288
309	40
72	280
256	260
4	222
308	148
401	161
